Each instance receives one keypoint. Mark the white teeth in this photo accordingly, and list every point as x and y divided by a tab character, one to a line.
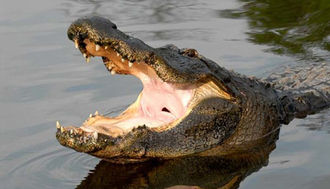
76	43
90	115
88	59
62	129
122	60
130	64
71	131
113	72
58	125
106	47
118	54
97	47
84	55
96	113
95	135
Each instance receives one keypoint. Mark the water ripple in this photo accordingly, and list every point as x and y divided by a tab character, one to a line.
58	165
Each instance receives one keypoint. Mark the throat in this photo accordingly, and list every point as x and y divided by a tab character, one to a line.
163	102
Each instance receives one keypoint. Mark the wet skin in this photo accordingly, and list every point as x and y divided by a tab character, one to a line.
188	106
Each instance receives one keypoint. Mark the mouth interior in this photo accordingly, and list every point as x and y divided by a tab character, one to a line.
159	103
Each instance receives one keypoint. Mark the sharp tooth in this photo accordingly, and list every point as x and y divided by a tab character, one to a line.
88	59
76	43
118	54
84	55
97	47
90	115
96	113
122	60
95	135
106	47
130	64
71	131
58	125
113	72
62	129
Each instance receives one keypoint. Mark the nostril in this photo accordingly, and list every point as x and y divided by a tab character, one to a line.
166	110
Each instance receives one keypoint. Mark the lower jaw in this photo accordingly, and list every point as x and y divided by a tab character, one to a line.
133	117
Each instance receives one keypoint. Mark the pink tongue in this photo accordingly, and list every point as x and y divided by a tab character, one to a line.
160	104
161	101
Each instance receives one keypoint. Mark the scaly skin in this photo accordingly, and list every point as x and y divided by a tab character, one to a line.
247	120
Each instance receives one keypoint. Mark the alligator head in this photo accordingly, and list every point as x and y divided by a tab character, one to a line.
187	106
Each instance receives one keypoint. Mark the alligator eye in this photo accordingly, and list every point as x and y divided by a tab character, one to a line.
166	110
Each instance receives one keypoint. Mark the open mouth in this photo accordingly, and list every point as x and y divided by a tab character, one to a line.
158	105
172	85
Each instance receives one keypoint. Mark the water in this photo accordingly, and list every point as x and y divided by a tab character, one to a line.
43	78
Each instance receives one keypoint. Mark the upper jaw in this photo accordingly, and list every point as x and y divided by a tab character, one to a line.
103	33
170	64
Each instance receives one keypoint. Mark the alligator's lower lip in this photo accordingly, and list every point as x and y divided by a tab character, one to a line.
81	140
159	106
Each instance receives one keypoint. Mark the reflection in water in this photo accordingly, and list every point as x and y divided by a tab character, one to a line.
205	172
297	27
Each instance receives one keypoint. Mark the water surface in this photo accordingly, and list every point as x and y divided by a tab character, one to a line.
43	78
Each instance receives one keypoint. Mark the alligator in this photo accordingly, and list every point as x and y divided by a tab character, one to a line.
189	105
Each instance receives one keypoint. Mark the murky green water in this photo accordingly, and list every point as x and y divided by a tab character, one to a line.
43	78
